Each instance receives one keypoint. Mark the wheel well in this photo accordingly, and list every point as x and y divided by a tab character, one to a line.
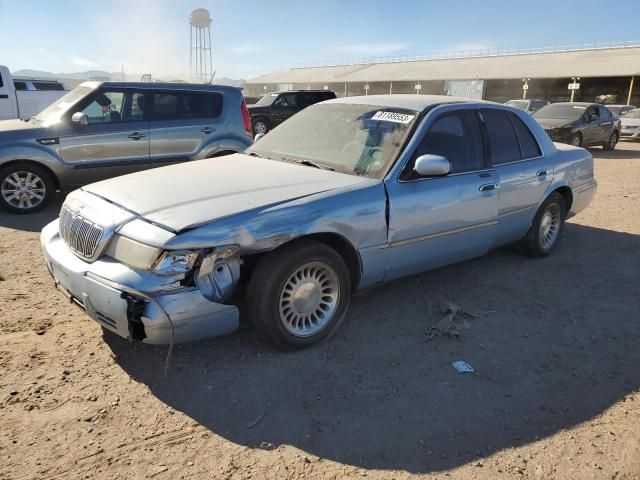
567	195
340	244
223	153
54	177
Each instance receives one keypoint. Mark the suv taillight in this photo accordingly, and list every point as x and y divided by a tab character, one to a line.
246	118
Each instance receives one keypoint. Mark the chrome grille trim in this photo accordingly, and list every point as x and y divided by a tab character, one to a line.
81	235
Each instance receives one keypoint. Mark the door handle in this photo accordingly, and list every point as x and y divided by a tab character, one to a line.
487	187
208	130
541	173
137	136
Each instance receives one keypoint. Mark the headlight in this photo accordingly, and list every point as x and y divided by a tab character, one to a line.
173	263
131	252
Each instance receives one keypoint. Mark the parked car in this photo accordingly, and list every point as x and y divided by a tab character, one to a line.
347	194
105	129
23	97
251	100
527	105
630	124
580	124
620	109
274	108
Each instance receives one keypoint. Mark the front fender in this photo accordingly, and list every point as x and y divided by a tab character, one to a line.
42	155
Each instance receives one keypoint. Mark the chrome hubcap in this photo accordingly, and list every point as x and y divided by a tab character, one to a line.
549	226
260	127
309	299
23	190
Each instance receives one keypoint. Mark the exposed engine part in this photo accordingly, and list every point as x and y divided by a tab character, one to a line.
219	274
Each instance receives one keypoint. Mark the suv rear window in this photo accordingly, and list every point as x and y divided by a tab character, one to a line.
184	106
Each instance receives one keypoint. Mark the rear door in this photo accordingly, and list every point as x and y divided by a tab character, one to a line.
182	123
115	141
8	107
525	174
435	221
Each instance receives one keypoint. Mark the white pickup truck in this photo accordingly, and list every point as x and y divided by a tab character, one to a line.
22	97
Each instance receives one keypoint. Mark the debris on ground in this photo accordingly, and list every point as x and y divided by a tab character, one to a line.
462	367
452	324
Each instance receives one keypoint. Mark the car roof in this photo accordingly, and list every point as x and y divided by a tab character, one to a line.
199	87
577	104
408	101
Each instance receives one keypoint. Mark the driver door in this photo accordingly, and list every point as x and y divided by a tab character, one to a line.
115	141
591	132
284	107
435	221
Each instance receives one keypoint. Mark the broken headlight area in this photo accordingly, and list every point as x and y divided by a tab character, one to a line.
175	263
219	273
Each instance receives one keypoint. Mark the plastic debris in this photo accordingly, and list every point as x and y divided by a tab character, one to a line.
452	324
462	367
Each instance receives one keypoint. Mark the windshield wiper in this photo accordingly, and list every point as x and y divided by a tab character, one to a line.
309	163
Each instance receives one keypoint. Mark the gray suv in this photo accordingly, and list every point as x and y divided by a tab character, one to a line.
105	129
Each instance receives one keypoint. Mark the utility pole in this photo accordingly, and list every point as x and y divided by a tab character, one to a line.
630	91
574	86
525	87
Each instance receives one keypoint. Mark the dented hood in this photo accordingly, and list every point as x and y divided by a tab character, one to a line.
189	194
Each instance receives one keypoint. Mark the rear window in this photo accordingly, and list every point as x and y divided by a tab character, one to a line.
185	106
48	86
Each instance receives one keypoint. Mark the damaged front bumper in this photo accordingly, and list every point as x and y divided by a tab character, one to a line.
129	303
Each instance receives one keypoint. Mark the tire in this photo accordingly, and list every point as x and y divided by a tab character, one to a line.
576	140
549	219
284	279
612	142
259	125
35	183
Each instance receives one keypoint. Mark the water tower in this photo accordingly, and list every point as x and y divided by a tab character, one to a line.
201	59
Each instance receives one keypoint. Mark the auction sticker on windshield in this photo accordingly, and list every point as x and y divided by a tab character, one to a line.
393	117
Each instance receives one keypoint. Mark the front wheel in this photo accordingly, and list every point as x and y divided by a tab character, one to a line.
546	228
299	294
25	188
260	126
576	140
611	143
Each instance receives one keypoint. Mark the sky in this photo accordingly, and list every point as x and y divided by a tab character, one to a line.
253	37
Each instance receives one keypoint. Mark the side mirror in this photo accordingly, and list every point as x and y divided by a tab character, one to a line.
80	118
258	136
432	166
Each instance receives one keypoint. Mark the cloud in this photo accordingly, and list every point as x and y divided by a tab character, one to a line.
248	48
373	48
83	62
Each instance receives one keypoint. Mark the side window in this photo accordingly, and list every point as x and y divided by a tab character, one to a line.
286	100
456	136
20	86
592	114
135	110
48	86
1	82
604	113
185	106
528	145
502	137
106	107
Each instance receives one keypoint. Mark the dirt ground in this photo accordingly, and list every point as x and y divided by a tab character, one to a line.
556	393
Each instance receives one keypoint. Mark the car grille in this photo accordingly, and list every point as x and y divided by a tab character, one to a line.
81	235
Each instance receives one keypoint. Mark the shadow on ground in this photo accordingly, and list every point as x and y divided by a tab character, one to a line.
555	343
625	150
33	222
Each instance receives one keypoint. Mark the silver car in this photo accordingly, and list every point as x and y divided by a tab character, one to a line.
105	129
346	194
630	124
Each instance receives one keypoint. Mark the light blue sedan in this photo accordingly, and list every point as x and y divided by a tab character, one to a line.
347	194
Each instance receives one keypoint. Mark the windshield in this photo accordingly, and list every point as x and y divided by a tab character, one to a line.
267	99
521	104
561	111
53	112
354	139
632	113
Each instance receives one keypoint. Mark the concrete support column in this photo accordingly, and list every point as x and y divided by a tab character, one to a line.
630	91
390	88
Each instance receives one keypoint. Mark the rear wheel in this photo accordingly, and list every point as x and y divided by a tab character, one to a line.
612	142
546	228
299	294
25	188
